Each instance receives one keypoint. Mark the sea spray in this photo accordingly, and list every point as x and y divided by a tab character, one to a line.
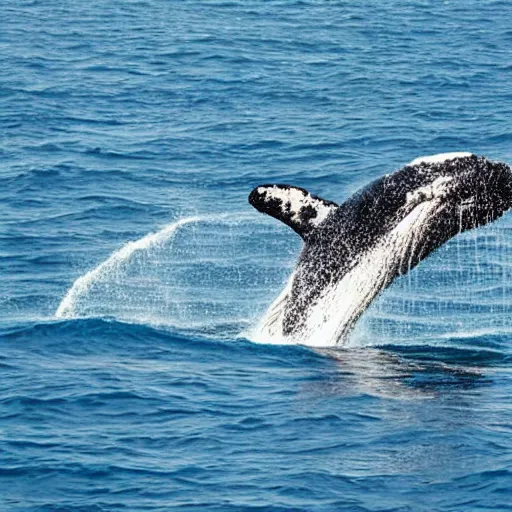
197	274
83	284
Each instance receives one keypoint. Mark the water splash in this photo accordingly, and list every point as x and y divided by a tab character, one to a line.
82	285
200	274
197	274
459	295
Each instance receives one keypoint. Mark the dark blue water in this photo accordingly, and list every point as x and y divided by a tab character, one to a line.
118	119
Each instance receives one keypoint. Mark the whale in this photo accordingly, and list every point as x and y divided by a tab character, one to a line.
354	250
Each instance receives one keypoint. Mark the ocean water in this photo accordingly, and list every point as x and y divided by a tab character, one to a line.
132	267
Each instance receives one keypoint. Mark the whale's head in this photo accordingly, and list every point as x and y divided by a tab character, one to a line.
456	191
470	191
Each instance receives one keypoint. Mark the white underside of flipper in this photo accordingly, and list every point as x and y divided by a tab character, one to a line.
295	200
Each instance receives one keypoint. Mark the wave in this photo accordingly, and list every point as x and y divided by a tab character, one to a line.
110	341
392	371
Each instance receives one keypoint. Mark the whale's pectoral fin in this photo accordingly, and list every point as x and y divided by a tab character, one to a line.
294	206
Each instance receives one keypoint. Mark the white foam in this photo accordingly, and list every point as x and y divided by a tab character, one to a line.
440	158
81	286
269	329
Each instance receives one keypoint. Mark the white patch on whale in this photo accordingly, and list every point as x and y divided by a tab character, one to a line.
437	189
440	158
298	199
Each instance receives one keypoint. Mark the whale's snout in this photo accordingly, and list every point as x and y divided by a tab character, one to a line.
484	191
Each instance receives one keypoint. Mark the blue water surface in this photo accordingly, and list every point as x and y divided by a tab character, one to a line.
150	122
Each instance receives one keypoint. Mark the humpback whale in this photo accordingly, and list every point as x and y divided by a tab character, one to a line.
354	250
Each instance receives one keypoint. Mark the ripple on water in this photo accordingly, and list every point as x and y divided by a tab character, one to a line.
120	118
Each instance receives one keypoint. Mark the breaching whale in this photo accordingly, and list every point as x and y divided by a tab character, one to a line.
354	250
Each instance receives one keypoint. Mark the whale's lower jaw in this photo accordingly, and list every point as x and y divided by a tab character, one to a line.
330	319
